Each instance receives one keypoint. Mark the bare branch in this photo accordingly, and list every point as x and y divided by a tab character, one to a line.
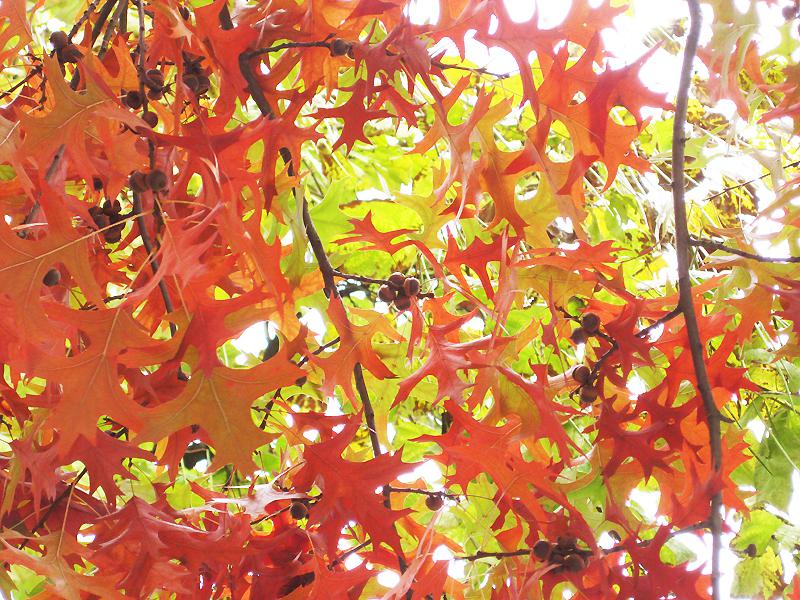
713	245
686	301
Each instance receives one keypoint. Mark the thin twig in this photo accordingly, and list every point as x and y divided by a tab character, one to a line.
714	245
748	182
350	551
319	350
53	505
641	334
369	412
34	71
686	301
89	10
481	554
48	177
360	278
285	46
619	548
122	7
317	247
398	490
148	246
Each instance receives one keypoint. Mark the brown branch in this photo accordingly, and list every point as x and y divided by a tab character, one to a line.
117	19
317	247
587	553
102	16
369	412
686	301
475	70
225	21
481	554
34	71
396	490
76	27
53	505
642	333
319	350
712	245
360	278
285	46
670	535
348	552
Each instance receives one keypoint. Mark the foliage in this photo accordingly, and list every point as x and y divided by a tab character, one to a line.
296	295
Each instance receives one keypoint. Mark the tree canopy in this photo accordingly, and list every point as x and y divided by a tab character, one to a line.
394	299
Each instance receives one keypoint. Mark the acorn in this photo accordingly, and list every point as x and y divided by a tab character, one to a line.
340	47
137	182
114	234
566	541
402	302
542	549
434	502
582	374
112	208
51	278
579	335
191	81
155	94
70	53
298	510
590	323
97	183
154	79
386	293
133	99
396	280
301	381
789	13
101	220
751	550
150	118
203	85
588	394
59	40
411	286
156	180
574	562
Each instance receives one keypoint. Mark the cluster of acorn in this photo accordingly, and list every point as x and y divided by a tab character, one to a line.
109	214
400	290
155	180
66	51
587	392
564	553
154	82
590	326
340	47
133	98
195	76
